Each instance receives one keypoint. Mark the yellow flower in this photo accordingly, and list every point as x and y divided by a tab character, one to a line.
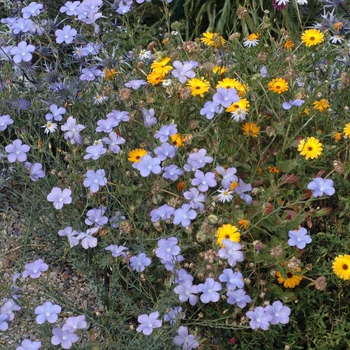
155	78
289	44
228	83
338	26
160	66
241	104
250	129
243	223
273	169
227	232
219	70
312	37
341	266
337	135
136	154
177	139
292	279
347	130
109	74
321	105
212	39
278	85
310	148
198	86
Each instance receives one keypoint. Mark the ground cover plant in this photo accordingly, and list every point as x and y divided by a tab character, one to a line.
201	185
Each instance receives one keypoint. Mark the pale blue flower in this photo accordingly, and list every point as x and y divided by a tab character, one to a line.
66	34
291	103
70	8
167	248
74	322
33	9
113	141
166	131
135	84
187	341
35	171
22	52
64	337
183	71
27	344
231	252
320	186
34	269
147	164
233	279
279	312
228	176
196	198
186	291
174	315
71	234
241	189
140	262
88	240
226	96
238	297
95	151
172	172
299	238
95	179
47	312
164	212
204	181
17	151
59	197
5	120
184	215
209	290
148	117
148	323
166	150
211	108
117	250
259	318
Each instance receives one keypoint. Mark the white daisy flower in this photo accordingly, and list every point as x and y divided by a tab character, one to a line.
98	99
225	195
49	127
238	115
166	82
145	55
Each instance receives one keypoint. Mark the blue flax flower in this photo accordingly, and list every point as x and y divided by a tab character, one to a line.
188	341
279	312
166	131
3	324
148	323
209	290
210	108
22	52
226	96
148	117
147	165
5	120
228	176
196	198
27	344
241	189
166	150
187	291
299	238
167	248
74	322
139	263
199	159
56	113
66	34
231	252
70	8
320	186
72	129
233	279
113	141
204	181
291	103
88	240
96	217
238	297
64	337
119	116
95	151
17	151
164	212
117	250
90	74
259	318
183	71
172	172
106	125
95	179
35	171
47	312
184	215
135	84
8	307
59	197
34	269
174	315
71	234
116	219
33	9
181	276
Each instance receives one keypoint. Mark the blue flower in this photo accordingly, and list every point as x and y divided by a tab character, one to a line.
5	120
320	186
184	215
167	248
95	179
166	131
59	197
172	172
166	150
117	250
228	176
96	217
231	252
113	141
299	238
233	279
17	151
135	84
35	171
47	312
199	159
70	8
64	337
164	212
184	70
34	269
139	263
259	318
238	297
174	315
291	103
3	324
209	290
119	116
90	74
107	125
148	323
147	164
241	188
27	344
71	234
95	151
72	131
204	181
188	341
22	52
148	117
279	312
66	34
87	238
56	113
187	291
226	96
33	9
196	198
210	108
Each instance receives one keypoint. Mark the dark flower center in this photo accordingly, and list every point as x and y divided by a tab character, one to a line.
289	274
345	267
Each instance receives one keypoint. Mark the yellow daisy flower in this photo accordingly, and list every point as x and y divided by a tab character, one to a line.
212	39
177	140
136	154
312	37
310	148
292	279
278	85
289	44
198	86
228	83
337	135
321	105
347	130
219	70
341	266
250	129
160	66
227	232
241	104
155	78
109	74
244	223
